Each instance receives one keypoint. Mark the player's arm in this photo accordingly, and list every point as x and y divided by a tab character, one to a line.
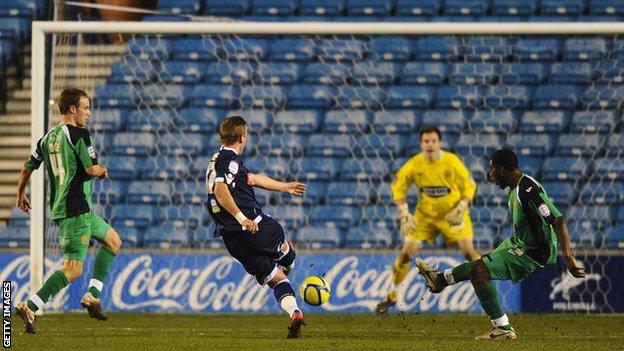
400	185
225	199
268	183
32	163
467	188
85	149
561	229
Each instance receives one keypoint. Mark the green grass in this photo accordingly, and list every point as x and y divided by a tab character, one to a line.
324	332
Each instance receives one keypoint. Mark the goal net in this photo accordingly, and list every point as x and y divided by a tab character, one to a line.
339	107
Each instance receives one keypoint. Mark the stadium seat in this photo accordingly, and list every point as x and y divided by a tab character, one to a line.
484	237
311	96
603	193
324	145
274	7
19	218
412	146
409	97
316	193
165	168
180	144
341	49
108	192
150	48
466	7
379	146
133	70
610	168
316	168
130	236
563	194
278	73
150	192
360	97
530	144
437	48
575	145
473	74
536	49
185	216
615	145
364	169
594	122
327	73
491	121
108	120
508	97
557	96
477	165
395	121
514	7
166	237
531	165
462	96
486	49
342	217
562	7
600	214
349	193
369	236
124	167
178	7
606	7
127	215
288	145
429	73
325	8
610	71
274	167
385	215
200	120
246	48
14	237
490	215
152	120
523	73
297	121
369	7
258	121
375	73
346	121
263	197
226	8
478	144
566	168
571	72
584	49
133	144
192	191
544	122
228	72
448	121
383	48
114	95
603	96
183	72
220	96
317	237
197	49
292	49
418	7
615	237
168	96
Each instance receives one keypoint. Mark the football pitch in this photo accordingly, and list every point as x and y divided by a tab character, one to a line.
323	332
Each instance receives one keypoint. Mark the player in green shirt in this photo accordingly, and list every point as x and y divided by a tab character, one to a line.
71	161
536	226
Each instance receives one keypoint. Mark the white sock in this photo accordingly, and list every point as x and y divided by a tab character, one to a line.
37	301
448	275
96	284
289	304
500	322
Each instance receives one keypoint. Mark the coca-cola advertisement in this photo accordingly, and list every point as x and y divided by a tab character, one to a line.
217	283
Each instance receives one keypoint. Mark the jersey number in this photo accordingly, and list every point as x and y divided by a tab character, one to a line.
56	161
211	174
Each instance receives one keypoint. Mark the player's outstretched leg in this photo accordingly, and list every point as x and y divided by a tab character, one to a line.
399	271
434	278
27	316
285	296
103	260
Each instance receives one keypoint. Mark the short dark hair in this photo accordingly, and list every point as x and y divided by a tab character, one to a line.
231	129
505	158
70	97
430	129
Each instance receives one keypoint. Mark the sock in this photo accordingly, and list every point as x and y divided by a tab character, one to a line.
285	296
50	288
502	322
102	263
400	271
462	272
488	297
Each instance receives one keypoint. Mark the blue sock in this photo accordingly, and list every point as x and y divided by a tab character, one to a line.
283	289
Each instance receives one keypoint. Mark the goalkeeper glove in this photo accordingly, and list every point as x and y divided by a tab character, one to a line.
408	223
454	217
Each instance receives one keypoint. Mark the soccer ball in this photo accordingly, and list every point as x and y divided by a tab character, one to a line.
314	290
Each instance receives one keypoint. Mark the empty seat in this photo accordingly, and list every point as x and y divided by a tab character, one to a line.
152	120
349	193
508	96
611	168
223	96
329	145
543	121
183	72
563	194
448	121
334	216
274	7
562	7
200	119
490	195
198	49
316	192
484	236
537	49
571	72
594	121
165	168
108	120
228	72
418	7
311	96
473	73
316	168
370	72
347	121
127	215
258	121
523	73
117	95
486	49
584	49
341	49
278	73
150	192
437	48
297	121
226	8
382	48
610	71
150	47
429	73
395	121
292	49
359	97
566	168
575	145
602	96
531	164
369	7
463	96
288	145
466	7
133	144
187	216
327	73
409	96
369	236
379	146
531	144
322	7
177	7
14	237
191	191
109	192
385	215
180	144
317	237
477	165
492	121
606	7
603	193
167	96
124	167
133	70
514	7
364	169
165	237
615	237
274	167
246	48
494	215
478	144
558	96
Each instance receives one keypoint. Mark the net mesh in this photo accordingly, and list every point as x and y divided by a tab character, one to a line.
342	113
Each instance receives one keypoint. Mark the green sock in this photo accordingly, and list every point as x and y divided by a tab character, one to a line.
102	263
489	300
50	288
462	272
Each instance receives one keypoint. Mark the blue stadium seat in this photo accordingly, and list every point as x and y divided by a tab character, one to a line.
324	8
473	73
382	214
557	96
523	73
563	194
152	120
165	18
109	192
478	144
562	7
601	214
14	237
334	145
183	72
448	121
459	96
418	7
197	49
490	195
531	144
508	97
246	48
127	215
206	237
19	218
395	121
615	237
288	145
327	73
341	49
410	97
297	121
360	97
603	193
228	72
180	144
292	49
571	72
191	191
278	73
223	96
20	8
177	7
611	168
584	49
620	215
165	237
311	96
203	120
124	167
226	8
594	122
597	18
492	121
544	122
130	236
606	7
466	7
369	236
615	145
259	121
274	167
318	237
150	192
566	168
601	96
342	217
274	7
108	120
437	48
537	49
379	146
316	192
486	49
167	96
514	7
477	165
165	168
349	193
383	48
376	73
133	144
585	221
490	215
20	26
484	237
117	95
364	169
575	145
382	192
429	73
346	121
188	216
531	165
369	7
316	168
610	71
132	70
150	48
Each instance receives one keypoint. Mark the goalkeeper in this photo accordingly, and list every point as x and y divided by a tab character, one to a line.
446	189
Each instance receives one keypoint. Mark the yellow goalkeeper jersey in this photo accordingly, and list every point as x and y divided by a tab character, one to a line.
441	184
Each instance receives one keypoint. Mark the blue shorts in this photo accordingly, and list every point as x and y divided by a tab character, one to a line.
258	253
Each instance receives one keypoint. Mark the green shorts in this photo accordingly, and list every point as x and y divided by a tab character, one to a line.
75	233
509	262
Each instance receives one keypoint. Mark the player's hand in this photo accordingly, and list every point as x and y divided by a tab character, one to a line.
295	188
23	203
455	216
250	226
575	269
408	222
104	175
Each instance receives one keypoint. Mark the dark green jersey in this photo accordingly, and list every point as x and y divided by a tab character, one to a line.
533	214
66	150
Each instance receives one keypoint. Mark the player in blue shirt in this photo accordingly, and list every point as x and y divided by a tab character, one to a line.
255	239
